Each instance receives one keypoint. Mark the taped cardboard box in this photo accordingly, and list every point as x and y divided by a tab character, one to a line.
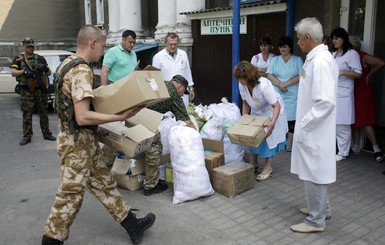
233	178
248	130
130	182
145	87
131	141
214	155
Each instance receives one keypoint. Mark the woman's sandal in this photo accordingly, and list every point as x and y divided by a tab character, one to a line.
262	177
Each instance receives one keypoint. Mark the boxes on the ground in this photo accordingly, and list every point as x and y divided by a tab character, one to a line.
214	155
145	87
128	172
128	165
134	136
233	178
130	182
248	130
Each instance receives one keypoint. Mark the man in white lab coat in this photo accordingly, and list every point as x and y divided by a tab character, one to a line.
314	145
173	61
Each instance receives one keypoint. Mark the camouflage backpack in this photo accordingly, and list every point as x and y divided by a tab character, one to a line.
63	105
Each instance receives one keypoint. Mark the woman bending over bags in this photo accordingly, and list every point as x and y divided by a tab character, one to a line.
259	96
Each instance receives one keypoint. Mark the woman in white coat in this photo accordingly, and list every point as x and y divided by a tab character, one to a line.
259	95
349	64
313	155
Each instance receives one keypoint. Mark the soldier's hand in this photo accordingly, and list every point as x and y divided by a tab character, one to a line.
28	74
42	67
132	111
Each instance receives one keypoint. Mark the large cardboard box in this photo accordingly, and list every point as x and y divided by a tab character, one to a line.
133	136
233	178
248	130
130	182
145	87
214	155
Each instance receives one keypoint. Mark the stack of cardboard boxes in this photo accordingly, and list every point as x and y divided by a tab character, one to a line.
135	135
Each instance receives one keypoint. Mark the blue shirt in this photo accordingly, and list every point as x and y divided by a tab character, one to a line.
120	62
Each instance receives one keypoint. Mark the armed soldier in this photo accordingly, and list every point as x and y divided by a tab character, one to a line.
31	71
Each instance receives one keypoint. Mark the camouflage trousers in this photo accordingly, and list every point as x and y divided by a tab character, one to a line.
81	168
28	102
152	156
108	155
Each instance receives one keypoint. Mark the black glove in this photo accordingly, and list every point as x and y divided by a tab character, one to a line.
28	74
42	67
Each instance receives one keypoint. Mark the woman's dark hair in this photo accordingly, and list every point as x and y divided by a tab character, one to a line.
342	33
286	40
265	41
245	70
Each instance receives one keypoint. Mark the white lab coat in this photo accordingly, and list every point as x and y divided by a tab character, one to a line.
260	101
173	66
345	96
314	143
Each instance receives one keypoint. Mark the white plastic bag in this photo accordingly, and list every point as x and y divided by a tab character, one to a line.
191	179
164	129
212	129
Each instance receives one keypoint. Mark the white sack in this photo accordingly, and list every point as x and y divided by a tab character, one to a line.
191	179
164	129
212	129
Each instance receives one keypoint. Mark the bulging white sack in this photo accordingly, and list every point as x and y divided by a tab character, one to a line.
191	180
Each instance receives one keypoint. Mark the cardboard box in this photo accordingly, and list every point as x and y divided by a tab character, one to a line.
214	155
145	87
233	178
148	118
133	136
248	130
129	182
128	166
130	141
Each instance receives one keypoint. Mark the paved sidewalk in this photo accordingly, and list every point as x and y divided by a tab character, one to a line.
29	176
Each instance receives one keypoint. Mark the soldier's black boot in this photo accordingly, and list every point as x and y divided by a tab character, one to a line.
135	227
50	241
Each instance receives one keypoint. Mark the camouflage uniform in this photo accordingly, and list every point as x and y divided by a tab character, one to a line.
32	98
154	152
81	167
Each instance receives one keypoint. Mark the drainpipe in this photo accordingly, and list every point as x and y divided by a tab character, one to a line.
290	18
235	49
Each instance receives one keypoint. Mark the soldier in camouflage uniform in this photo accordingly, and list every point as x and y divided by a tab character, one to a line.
176	88
79	150
29	68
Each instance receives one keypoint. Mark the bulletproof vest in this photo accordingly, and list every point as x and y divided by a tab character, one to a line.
64	105
33	63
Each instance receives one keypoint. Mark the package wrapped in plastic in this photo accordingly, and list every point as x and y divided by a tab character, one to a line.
212	129
225	110
200	113
233	152
191	179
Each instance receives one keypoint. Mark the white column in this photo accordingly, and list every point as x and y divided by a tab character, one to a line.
113	31
166	18
183	27
130	17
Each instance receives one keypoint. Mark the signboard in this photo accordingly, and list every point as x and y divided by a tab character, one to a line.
222	26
